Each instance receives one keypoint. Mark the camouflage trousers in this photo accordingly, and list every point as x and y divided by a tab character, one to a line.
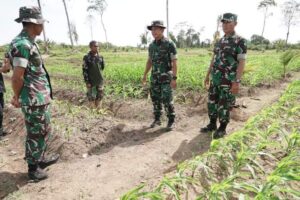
162	94
95	93
1	111
220	102
37	122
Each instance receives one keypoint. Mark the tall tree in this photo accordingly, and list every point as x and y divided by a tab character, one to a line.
90	19
217	34
68	20
200	32
44	31
173	38
257	39
144	38
291	13
264	5
167	7
99	6
74	33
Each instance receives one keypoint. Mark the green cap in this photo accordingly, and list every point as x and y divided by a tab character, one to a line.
156	23
30	14
230	17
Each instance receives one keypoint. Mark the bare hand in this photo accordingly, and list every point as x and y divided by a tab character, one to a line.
235	88
206	83
173	84
6	65
15	102
144	80
88	85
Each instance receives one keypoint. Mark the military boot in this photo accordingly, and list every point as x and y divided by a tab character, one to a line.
2	133
49	161
35	173
212	126
156	122
221	131
170	125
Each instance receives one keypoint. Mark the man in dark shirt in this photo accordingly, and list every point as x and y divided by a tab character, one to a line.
4	68
93	65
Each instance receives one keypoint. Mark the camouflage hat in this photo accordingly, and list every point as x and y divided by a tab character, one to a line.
30	14
156	23
230	17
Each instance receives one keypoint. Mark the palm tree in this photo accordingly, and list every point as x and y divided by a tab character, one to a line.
286	58
167	7
265	4
69	25
90	20
291	12
44	31
99	6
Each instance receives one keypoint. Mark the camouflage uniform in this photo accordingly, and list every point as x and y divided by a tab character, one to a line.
161	53
35	96
2	90
92	68
228	50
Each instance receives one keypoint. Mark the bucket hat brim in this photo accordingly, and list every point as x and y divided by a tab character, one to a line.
150	27
31	20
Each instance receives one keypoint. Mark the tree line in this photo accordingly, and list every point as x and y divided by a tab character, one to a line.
187	36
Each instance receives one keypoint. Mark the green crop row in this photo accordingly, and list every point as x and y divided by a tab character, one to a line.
126	69
261	161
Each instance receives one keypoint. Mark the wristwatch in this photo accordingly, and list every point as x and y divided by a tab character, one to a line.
238	81
174	77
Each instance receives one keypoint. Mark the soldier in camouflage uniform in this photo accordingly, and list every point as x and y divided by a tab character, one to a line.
225	74
5	67
163	61
93	65
32	91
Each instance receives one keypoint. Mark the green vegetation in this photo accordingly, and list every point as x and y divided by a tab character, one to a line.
124	69
261	161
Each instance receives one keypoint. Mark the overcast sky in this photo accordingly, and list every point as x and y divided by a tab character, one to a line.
126	20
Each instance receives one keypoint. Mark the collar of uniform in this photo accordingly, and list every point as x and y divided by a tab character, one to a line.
92	54
158	42
230	35
25	34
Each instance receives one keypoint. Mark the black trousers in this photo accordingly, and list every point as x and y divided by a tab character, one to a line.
1	108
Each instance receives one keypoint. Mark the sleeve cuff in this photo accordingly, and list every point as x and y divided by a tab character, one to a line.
173	56
241	56
20	62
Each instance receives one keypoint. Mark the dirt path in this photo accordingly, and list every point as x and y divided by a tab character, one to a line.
114	154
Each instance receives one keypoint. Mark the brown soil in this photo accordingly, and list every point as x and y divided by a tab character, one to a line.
106	155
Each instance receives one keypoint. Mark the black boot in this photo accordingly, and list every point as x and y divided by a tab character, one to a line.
156	122
212	126
221	131
2	132
35	173
170	125
49	161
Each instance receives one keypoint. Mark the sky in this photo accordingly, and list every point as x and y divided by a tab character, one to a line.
126	20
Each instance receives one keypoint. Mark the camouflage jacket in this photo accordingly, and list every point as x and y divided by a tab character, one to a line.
36	90
227	53
161	53
92	68
2	86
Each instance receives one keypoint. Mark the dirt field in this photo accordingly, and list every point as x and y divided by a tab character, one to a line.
106	156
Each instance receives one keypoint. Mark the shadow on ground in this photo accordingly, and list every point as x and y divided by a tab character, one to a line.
11	182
